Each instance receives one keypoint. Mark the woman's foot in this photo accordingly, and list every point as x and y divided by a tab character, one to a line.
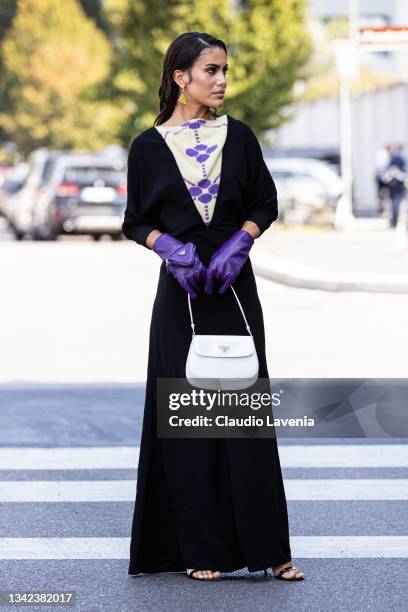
203	574
290	574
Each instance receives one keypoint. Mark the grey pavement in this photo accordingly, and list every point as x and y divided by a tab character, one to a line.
86	413
59	415
369	257
72	312
79	311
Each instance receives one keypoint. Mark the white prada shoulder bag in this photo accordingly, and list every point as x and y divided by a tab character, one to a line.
222	361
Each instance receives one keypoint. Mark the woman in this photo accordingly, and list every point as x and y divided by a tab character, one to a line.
198	187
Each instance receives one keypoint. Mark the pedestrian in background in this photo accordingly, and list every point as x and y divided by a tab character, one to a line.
198	186
395	178
381	163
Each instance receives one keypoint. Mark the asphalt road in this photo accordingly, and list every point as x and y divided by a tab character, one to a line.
61	534
73	348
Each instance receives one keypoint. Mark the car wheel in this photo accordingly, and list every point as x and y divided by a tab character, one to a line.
18	235
47	235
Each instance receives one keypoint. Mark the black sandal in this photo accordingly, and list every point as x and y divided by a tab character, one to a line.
279	575
190	575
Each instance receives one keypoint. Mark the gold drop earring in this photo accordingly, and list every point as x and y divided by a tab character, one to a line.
182	99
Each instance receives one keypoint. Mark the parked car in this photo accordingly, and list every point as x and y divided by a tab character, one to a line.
308	189
20	212
12	182
4	171
329	155
86	194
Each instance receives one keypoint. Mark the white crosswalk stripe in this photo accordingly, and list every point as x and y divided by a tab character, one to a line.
126	457
71	458
124	490
309	547
98	459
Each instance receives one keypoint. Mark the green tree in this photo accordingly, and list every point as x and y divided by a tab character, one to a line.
7	12
142	31
268	47
53	59
92	8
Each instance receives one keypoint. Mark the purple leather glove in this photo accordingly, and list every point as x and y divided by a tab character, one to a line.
182	262
226	263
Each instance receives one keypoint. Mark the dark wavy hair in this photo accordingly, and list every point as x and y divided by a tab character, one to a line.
181	55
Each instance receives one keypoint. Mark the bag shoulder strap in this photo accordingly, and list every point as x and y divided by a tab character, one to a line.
239	304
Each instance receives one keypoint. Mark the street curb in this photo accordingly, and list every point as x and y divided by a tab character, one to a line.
294	274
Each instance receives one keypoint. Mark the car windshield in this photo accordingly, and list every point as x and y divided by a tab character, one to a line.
293	174
85	175
47	169
12	185
318	171
16	178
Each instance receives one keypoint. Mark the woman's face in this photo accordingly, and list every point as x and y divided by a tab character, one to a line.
208	77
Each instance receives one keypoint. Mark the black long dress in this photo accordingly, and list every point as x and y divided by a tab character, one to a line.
216	503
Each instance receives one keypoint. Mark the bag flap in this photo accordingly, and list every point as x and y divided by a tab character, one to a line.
184	256
223	346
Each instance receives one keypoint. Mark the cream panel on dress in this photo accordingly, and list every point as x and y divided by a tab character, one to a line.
197	148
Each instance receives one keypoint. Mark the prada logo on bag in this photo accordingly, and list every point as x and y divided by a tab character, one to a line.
183	252
224	349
